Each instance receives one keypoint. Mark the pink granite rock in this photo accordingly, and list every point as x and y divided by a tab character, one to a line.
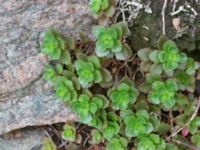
25	98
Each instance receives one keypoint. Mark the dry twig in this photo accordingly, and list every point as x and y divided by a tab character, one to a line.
163	16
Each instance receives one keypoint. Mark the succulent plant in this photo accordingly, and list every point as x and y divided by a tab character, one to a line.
137	124
167	59
52	45
185	81
49	73
163	93
191	66
87	106
102	9
170	57
168	83
123	94
99	120
98	5
151	142
65	89
59	68
109	41
89	70
69	133
112	126
55	46
117	143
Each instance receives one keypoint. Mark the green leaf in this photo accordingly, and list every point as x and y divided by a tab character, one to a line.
143	54
95	5
95	61
96	137
105	4
70	42
124	27
145	87
194	125
143	113
84	37
170	45
163	128
170	146
55	55
156	69
106	75
49	72
117	47
97	77
93	107
196	140
65	58
172	85
59	68
141	104
127	50
120	55
108	133
118	29
153	56
98	100
96	30
81	56
151	142
145	66
157	85
155	138
117	143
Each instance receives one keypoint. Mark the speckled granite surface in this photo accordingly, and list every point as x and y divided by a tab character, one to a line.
25	98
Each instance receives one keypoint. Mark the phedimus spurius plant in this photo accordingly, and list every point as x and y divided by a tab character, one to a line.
123	99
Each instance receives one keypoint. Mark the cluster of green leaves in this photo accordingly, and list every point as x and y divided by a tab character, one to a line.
69	132
123	94
87	106
169	59
117	143
151	142
196	140
102	8
89	70
65	88
112	126
109	41
163	93
55	45
120	111
137	124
